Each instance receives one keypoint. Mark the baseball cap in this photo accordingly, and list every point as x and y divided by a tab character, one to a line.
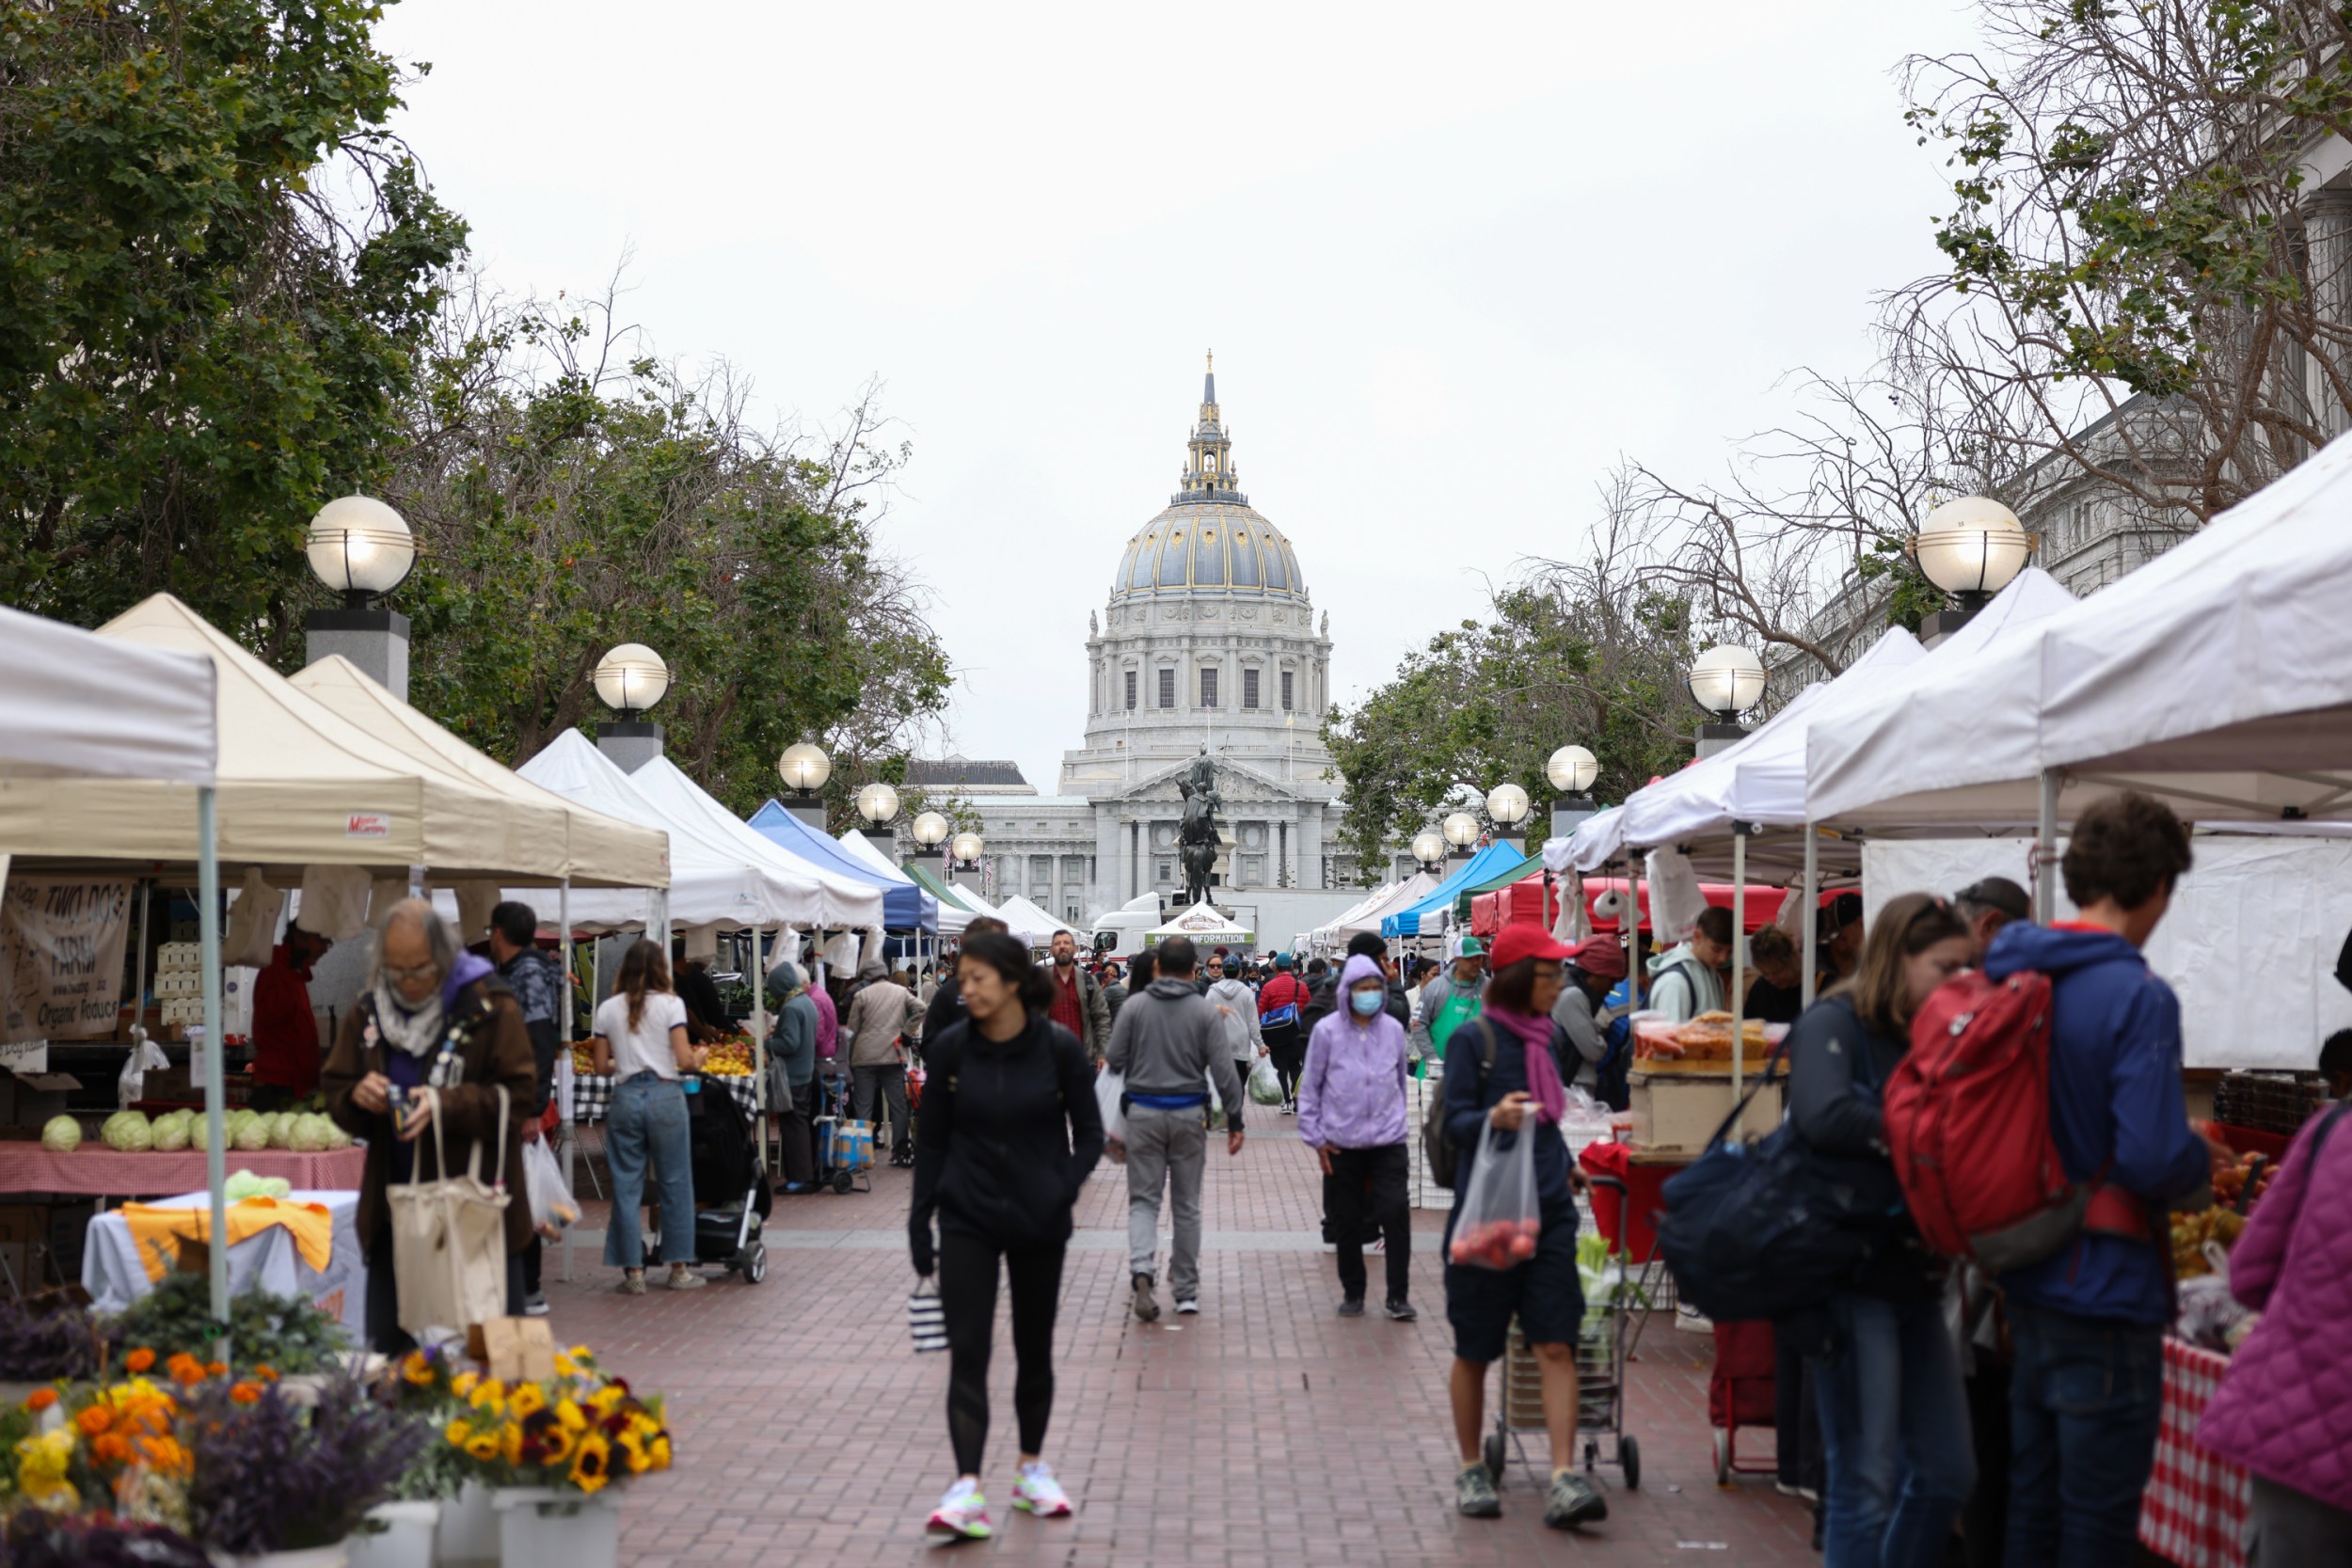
1524	941
1471	948
1603	957
1281	960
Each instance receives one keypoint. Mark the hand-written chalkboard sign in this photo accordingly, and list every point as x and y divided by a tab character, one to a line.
61	957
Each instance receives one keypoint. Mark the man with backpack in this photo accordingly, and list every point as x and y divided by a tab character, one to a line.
1281	1002
2088	1321
1688	979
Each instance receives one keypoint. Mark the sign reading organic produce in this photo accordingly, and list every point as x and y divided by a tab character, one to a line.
61	957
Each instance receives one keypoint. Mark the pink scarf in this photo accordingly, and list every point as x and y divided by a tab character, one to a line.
1543	1073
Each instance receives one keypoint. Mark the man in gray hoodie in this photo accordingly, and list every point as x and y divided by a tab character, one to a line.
1170	1045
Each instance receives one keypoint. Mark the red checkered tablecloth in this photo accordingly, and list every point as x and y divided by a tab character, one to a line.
2194	1511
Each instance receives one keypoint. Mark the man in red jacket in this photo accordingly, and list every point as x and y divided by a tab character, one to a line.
285	1035
1280	1001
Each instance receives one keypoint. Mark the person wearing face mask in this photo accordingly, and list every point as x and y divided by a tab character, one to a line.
434	1031
1897	1459
1351	1112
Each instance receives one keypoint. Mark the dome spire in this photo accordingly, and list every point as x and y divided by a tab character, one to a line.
1209	473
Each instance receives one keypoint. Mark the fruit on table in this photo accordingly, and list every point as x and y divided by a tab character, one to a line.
1496	1243
2241	1185
2190	1232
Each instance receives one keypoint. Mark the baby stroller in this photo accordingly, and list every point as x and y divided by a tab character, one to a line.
727	1166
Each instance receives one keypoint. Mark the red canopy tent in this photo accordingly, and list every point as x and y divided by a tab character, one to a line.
1528	901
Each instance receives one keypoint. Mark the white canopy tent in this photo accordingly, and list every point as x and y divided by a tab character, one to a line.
1403	896
1323	935
1032	925
952	919
77	706
832	901
1206	924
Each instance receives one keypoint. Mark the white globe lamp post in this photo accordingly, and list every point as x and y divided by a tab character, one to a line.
630	679
360	549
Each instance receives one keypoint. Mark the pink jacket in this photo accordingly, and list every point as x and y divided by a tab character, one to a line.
2284	1411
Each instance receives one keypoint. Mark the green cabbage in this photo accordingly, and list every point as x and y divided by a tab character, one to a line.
170	1133
310	1134
129	1131
62	1136
253	1135
232	1122
336	1136
243	1184
282	1129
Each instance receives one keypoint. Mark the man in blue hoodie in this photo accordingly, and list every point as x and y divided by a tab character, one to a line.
2087	1323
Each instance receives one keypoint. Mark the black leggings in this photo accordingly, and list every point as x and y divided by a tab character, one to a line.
967	1299
1289	1058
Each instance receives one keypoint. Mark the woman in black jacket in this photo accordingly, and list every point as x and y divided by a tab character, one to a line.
1894	1420
1008	1131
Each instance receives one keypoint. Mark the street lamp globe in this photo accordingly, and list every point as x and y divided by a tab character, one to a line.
966	847
632	677
805	768
1506	805
930	829
1461	830
1573	770
878	802
1727	680
359	547
1428	848
1972	546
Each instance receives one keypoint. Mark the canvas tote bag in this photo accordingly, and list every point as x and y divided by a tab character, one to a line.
448	1237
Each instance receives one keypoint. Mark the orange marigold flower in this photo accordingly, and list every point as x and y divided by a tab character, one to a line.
186	1369
40	1399
267	1374
246	1393
93	1420
111	1448
218	1368
139	1360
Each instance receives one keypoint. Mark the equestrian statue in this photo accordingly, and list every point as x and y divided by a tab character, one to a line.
1197	835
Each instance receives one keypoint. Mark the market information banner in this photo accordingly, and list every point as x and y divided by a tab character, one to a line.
61	957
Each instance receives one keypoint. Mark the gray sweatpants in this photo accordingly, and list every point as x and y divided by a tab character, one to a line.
1162	1145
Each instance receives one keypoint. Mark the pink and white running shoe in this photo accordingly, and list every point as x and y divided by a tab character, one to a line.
1039	1493
961	1515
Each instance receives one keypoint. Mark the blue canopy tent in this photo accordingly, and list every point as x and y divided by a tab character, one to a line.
1484	866
905	907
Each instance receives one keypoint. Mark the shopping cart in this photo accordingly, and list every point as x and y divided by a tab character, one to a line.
1740	1392
1602	1350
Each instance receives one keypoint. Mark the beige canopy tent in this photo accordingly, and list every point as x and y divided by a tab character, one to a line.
298	784
598	850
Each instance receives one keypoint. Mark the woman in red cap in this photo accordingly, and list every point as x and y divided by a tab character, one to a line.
1595	967
1519	1093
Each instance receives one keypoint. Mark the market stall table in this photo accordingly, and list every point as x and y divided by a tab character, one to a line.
115	1277
97	1172
591	1094
2194	1511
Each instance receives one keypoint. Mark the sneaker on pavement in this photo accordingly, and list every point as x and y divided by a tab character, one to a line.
685	1280
633	1284
1401	1311
1037	1492
961	1515
1351	1306
1146	1308
1572	1501
1189	1307
534	1304
1474	1493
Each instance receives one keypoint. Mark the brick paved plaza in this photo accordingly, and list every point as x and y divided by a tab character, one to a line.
1264	1431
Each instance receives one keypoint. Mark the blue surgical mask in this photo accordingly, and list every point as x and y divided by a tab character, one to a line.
1366	1003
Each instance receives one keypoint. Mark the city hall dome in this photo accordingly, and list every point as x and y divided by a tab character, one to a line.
1209	537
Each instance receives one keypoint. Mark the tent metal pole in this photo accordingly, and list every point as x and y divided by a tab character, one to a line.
1738	963
2045	850
208	937
1809	918
565	1019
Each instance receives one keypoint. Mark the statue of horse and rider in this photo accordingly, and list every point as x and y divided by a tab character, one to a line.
1197	836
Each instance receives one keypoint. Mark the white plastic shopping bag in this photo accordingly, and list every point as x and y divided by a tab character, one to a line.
1265	1084
553	1206
1500	1219
1109	1086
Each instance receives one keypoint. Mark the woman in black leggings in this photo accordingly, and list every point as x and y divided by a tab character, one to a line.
1008	1133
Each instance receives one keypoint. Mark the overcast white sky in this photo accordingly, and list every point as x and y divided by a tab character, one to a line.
1455	262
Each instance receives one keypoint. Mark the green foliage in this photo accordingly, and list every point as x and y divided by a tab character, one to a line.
286	1334
1490	702
1911	598
197	349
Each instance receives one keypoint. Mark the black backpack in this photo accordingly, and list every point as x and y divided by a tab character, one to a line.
1437	1148
1771	1229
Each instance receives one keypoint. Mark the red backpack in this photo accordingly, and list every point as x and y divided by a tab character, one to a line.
1968	1124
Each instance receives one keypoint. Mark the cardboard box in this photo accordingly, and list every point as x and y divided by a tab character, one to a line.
28	1102
1678	1111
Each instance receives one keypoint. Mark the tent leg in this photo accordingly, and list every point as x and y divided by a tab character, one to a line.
759	1040
1808	916
2045	850
208	936
564	1022
1632	925
1738	963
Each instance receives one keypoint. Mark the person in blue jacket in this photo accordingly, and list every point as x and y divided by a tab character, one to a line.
2087	1323
1521	1096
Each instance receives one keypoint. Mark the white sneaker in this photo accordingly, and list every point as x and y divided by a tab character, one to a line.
961	1515
1189	1307
1037	1492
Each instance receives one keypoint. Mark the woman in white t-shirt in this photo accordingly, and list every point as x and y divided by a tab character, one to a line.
640	1041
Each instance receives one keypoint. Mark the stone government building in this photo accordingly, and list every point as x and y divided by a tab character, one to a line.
1209	640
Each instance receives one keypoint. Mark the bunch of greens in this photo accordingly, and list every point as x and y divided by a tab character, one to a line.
270	1476
287	1334
46	1337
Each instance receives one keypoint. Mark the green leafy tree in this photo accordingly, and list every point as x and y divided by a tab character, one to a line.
572	492
198	344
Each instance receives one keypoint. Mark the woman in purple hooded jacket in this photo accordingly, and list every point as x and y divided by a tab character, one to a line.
1351	1112
2284	1411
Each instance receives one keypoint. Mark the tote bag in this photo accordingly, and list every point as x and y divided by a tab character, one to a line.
448	1237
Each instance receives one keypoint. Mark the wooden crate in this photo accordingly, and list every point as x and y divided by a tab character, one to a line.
1675	1112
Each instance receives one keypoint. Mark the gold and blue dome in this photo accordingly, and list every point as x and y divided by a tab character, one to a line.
1209	537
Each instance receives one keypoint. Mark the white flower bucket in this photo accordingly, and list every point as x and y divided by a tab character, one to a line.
405	1540
310	1557
542	1527
469	1534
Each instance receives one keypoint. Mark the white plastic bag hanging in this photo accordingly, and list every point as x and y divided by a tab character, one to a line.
1265	1084
1574	924
1675	900
130	1083
1109	1089
554	1209
1500	1221
1789	917
252	935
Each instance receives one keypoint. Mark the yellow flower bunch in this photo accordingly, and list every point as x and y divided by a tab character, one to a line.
580	1429
41	1465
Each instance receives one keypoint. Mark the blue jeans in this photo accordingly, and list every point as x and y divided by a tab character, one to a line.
647	1123
1894	1435
2084	1399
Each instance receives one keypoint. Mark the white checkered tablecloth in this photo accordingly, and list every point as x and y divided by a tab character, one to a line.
2195	1507
591	1094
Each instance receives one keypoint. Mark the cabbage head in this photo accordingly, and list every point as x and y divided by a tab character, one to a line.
253	1135
310	1134
62	1136
170	1133
129	1131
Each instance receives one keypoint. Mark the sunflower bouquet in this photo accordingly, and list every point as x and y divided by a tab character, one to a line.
581	1430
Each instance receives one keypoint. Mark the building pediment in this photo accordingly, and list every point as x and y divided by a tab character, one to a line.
1240	785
